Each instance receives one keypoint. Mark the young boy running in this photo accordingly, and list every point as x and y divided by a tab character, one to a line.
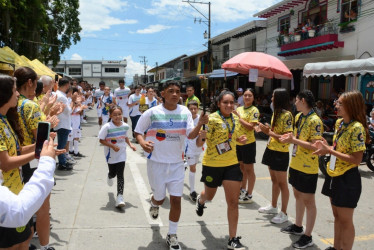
168	126
193	152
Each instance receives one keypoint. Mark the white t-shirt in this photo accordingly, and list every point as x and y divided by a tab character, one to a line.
134	110
151	103
240	101
168	131
65	116
98	94
122	96
191	147
115	135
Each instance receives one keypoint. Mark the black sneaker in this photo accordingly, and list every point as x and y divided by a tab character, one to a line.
304	242
64	167
234	243
193	196
199	207
293	229
51	248
78	155
330	248
32	247
71	152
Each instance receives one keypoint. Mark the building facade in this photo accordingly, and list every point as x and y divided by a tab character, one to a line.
93	71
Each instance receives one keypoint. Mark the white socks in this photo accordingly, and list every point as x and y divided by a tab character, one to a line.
71	146
191	178
173	226
76	144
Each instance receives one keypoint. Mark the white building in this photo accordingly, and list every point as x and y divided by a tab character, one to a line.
93	71
338	30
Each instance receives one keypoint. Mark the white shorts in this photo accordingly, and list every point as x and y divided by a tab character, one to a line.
162	176
125	111
192	159
99	112
105	118
75	133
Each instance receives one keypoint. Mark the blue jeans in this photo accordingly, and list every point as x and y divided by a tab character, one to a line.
62	138
134	121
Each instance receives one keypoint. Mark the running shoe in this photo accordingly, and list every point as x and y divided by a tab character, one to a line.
199	207
304	242
51	248
193	196
78	155
172	242
32	247
153	211
242	194
330	248
293	229
64	167
120	201
268	210
246	199
279	218
109	181
71	152
234	243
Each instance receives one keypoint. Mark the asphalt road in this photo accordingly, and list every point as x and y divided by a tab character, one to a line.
84	216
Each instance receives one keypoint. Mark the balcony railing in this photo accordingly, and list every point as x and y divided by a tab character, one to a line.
319	30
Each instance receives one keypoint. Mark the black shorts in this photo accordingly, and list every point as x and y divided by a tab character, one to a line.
277	161
344	190
27	172
213	176
13	236
302	182
246	153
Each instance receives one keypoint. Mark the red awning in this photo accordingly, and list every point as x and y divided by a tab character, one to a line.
278	8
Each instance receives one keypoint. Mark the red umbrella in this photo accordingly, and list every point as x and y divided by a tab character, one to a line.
268	66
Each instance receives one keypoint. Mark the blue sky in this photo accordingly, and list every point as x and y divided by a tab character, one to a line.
158	29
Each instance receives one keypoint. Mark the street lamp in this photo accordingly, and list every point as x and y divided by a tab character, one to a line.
206	35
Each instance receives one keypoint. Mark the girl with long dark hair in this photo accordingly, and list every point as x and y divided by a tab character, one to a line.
220	163
12	156
276	155
303	172
343	183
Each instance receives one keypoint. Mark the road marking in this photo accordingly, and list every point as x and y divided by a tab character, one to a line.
263	178
357	238
143	194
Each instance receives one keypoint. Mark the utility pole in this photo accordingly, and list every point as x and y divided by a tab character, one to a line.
145	67
207	22
156	78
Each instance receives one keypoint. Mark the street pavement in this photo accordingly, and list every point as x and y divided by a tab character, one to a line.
84	217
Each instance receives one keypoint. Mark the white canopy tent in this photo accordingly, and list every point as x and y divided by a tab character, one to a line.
337	68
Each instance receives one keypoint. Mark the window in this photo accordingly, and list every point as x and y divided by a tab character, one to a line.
253	44
316	13
349	11
59	70
193	65
226	52
185	66
111	70
75	71
284	24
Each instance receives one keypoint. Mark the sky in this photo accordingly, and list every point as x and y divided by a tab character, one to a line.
160	30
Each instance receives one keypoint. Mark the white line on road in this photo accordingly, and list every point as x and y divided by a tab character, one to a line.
143	194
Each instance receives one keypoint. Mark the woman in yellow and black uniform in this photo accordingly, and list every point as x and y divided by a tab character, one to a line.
246	152
12	157
343	183
29	115
276	155
220	163
303	173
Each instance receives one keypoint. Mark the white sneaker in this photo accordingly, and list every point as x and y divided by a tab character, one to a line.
268	210
242	194
84	121
280	218
120	202
109	181
172	242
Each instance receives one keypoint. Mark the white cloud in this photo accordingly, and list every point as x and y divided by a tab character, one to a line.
153	29
133	68
95	15
221	10
76	56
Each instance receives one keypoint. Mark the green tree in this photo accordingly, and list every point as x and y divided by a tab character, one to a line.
41	29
